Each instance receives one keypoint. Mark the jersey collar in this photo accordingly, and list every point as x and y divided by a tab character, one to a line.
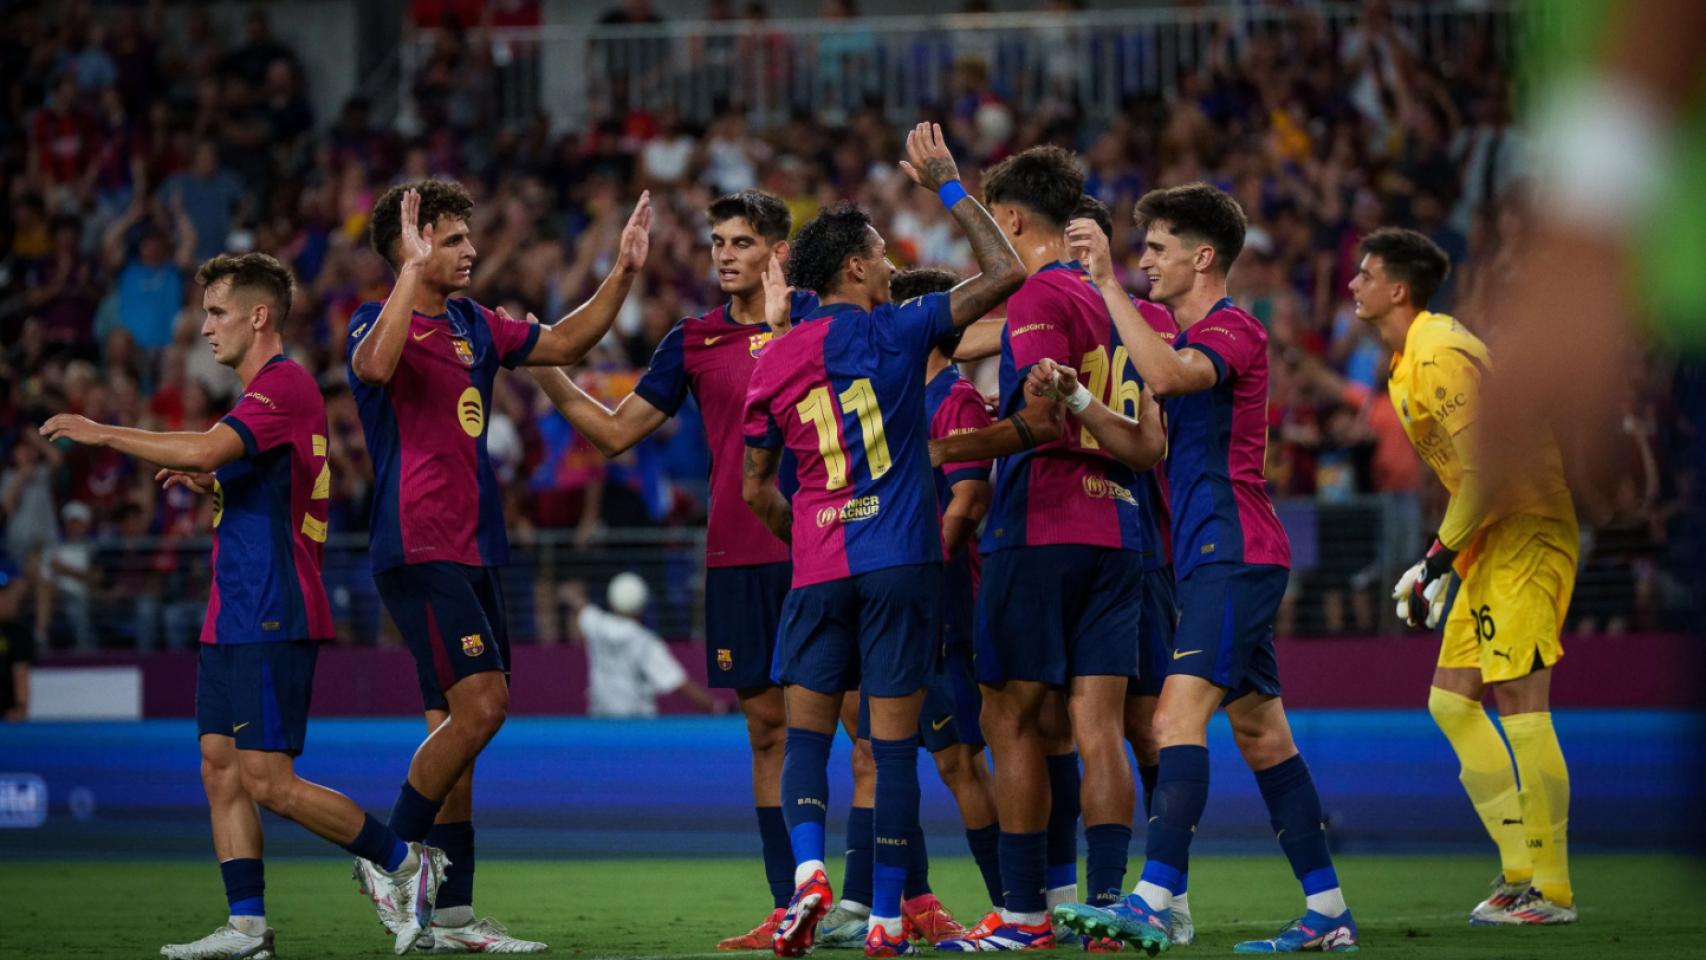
830	311
1072	265
1410	335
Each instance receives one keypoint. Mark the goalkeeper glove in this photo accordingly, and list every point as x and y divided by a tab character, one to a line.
1421	591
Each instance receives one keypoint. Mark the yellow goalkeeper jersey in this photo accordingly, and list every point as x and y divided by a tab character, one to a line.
1435	387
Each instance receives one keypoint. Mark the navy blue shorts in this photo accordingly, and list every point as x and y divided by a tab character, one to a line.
1060	611
1155	632
452	617
959	665
937	729
876	631
1226	627
257	693
743	609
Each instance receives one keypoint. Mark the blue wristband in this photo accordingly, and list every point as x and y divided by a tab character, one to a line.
951	193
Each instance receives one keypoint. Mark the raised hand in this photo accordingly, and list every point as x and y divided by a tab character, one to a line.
928	161
201	483
1090	248
778	298
636	236
415	244
71	427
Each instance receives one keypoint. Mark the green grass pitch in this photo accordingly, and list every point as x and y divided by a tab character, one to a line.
1637	906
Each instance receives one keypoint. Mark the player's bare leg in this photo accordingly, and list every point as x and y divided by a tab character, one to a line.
967	777
1525	711
269	779
766	713
479	704
236	841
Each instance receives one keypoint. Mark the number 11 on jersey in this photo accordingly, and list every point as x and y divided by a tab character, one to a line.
859	397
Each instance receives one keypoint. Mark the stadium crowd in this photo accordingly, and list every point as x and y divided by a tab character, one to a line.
131	153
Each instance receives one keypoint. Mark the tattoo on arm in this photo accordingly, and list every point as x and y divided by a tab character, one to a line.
1023	429
751	468
1002	271
940	170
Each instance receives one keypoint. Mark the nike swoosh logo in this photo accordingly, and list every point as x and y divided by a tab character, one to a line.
1184	653
423	336
241	726
938	726
711	340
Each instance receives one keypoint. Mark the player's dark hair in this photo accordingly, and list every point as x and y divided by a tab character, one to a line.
1410	258
919	281
1089	208
1197	213
761	211
1045	180
253	271
822	247
439	198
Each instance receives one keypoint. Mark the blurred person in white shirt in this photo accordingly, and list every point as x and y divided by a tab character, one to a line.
628	666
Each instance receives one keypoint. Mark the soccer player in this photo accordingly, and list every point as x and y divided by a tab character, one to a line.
1516	554
1160	597
1062	573
1231	556
948	721
264	464
845	392
746	568
421	366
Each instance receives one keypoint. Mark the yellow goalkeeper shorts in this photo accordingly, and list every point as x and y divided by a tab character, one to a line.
1518	575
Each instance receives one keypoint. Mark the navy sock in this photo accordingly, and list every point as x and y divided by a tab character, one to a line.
778	855
861	854
1024	866
1148	774
896	820
985	843
1181	795
413	814
1294	810
457	842
805	791
1104	868
377	843
917	865
1063	783
245	886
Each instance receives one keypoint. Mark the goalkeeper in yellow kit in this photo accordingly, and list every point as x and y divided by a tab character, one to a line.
1515	549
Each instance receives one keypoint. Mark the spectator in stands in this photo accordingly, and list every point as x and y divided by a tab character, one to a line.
65	571
628	666
26	494
210	196
252	60
63	289
17	644
150	281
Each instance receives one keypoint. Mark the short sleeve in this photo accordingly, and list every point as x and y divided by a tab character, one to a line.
962	412
263	416
1446	387
512	339
664	384
1034	329
1230	341
920	322
360	325
663	672
758	425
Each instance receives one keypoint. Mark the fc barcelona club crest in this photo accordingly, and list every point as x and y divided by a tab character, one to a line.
464	351
725	659
755	343
472	645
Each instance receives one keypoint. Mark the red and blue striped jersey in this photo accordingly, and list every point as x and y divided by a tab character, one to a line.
1217	443
712	358
845	392
269	515
954	406
1068	490
436	495
1152	484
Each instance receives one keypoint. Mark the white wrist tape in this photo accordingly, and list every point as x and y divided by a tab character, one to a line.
1077	400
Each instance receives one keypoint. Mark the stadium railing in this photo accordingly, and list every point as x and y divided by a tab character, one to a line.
774	69
150	593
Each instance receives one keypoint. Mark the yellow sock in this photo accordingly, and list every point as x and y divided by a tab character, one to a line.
1545	797
1487	776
